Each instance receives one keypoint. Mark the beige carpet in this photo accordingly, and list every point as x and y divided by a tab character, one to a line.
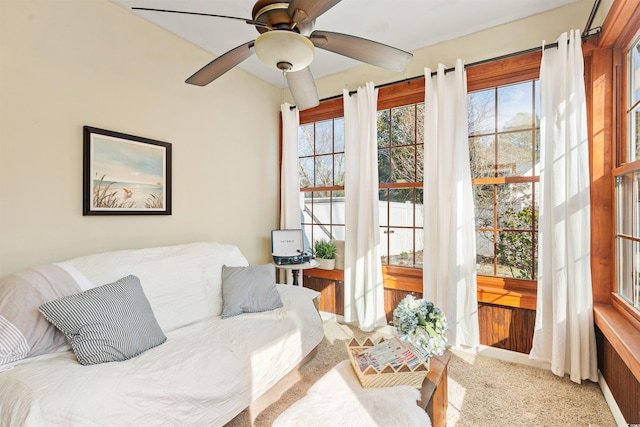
482	391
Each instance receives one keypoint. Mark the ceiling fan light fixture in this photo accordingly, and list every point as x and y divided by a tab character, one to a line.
278	47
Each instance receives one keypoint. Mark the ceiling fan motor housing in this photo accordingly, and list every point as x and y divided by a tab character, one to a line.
285	50
275	14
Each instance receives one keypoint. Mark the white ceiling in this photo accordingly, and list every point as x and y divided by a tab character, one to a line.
405	24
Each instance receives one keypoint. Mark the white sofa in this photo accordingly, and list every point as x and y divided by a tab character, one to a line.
206	372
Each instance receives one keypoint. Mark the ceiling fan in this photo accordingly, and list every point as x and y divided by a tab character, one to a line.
287	41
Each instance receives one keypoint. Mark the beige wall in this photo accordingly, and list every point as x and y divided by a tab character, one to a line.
69	63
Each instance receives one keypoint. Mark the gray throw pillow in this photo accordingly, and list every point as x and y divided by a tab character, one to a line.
249	290
109	323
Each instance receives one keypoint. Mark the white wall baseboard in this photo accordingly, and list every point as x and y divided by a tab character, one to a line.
615	409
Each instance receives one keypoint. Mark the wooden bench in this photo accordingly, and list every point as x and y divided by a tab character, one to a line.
434	394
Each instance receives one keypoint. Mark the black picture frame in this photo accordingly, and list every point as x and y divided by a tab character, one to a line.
125	174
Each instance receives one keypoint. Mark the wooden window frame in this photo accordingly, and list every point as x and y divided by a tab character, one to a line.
502	180
325	188
494	290
607	75
414	185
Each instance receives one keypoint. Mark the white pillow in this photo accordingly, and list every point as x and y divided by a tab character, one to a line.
249	290
110	323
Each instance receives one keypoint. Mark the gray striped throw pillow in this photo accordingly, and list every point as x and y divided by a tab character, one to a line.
113	322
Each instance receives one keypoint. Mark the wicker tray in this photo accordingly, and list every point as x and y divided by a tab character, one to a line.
388	376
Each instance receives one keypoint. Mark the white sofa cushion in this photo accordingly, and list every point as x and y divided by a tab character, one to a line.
182	283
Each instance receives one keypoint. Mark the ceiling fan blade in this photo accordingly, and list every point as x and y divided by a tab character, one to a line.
303	88
221	65
305	11
248	21
364	50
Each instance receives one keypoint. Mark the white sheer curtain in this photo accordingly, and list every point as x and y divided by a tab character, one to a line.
289	177
564	332
363	288
449	272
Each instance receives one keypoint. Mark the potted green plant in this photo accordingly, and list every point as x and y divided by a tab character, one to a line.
324	252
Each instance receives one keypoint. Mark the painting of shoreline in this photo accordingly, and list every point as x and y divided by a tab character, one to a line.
128	175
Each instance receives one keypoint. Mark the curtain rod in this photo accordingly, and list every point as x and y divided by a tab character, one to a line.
595	32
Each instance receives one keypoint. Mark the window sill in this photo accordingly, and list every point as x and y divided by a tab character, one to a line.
507	292
324	274
497	291
622	330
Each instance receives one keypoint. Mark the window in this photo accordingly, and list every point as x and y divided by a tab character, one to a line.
400	173
400	164
504	135
321	153
628	191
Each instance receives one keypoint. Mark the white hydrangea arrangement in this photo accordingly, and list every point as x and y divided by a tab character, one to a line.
422	323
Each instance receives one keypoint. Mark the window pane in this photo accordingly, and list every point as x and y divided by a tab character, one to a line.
514	206
420	163
401	207
404	164
306	172
482	152
634	74
337	208
338	135
338	232
384	245
484	205
482	117
384	166
536	169
306	231
403	125
305	140
384	128
418	263
485	253
634	134
324	137
383	206
324	171
420	123
624	195
308	208
419	208
338	169
515	257
537	101
514	106
625	269
321	232
401	246
514	154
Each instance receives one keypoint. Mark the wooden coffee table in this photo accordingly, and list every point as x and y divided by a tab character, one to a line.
434	394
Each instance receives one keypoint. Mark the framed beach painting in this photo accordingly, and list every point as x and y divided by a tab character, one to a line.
125	174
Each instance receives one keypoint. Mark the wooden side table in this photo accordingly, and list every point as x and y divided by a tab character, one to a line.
434	396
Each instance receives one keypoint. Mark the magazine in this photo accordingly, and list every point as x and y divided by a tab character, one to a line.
393	351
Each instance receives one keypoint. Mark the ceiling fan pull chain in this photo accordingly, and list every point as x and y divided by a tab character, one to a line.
284	84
